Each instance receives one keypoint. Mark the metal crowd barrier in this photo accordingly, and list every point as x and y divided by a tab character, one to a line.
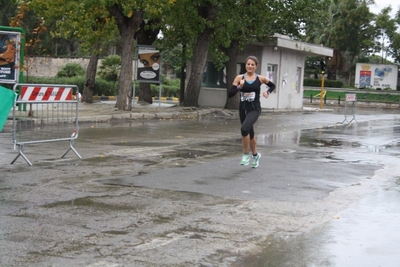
350	107
45	113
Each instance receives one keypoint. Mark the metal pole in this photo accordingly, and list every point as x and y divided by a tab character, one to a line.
321	100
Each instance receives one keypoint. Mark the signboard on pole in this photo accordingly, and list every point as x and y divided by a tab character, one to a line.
9	56
148	65
376	76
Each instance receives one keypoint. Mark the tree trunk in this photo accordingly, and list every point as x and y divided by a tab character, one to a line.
145	93
127	27
231	72
183	76
199	59
91	71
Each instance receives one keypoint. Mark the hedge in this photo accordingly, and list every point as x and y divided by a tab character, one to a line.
102	87
327	83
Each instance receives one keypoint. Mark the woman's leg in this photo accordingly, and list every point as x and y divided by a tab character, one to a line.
246	143
248	118
247	128
253	146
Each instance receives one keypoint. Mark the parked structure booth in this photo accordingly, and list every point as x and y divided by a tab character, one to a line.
281	59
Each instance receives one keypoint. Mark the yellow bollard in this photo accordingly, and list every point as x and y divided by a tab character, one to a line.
322	94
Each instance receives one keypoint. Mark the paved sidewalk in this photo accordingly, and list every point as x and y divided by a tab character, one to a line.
104	111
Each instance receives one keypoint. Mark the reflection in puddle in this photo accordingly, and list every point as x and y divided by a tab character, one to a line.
372	137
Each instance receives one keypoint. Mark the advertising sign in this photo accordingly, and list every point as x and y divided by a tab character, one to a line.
376	76
351	97
9	60
149	64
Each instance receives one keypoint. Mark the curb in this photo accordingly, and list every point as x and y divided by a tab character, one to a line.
185	113
114	98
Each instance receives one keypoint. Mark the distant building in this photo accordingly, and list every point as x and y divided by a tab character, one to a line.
281	59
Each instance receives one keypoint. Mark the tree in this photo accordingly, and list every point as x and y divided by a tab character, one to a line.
394	48
8	9
344	25
85	21
222	28
180	32
128	16
255	26
354	33
206	15
387	30
128	21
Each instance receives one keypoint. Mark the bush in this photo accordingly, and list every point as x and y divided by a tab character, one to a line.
167	90
102	87
71	70
110	68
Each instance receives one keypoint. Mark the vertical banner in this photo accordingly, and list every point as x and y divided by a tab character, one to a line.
9	60
365	78
149	64
7	97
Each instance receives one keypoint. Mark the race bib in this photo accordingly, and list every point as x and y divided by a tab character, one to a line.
248	96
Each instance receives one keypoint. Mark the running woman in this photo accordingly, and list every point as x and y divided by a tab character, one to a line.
249	86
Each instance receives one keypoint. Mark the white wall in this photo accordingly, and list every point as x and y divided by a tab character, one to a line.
290	94
50	66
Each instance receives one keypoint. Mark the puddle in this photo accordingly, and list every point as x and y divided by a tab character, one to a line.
95	203
188	154
142	144
115	232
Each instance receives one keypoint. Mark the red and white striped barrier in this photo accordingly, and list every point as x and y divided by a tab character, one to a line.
39	93
44	113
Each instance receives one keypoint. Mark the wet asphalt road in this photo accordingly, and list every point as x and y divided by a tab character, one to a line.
171	193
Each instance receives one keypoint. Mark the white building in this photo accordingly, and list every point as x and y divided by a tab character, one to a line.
281	59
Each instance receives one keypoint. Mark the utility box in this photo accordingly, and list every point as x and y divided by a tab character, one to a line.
376	76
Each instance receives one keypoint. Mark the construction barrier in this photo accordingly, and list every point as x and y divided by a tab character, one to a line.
45	113
350	107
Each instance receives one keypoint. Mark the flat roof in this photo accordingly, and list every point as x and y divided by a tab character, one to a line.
285	42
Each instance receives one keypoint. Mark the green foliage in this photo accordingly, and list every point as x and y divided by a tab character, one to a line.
71	70
170	88
327	83
8	9
110	68
167	90
102	87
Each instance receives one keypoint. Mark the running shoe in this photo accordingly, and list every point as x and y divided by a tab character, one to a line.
256	160
245	159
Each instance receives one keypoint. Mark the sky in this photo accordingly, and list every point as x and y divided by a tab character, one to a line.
380	4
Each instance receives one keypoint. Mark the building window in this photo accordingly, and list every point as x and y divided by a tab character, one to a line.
212	77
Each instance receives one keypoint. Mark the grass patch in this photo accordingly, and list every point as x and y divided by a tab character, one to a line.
361	96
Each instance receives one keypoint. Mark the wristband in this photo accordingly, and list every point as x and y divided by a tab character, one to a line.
238	87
